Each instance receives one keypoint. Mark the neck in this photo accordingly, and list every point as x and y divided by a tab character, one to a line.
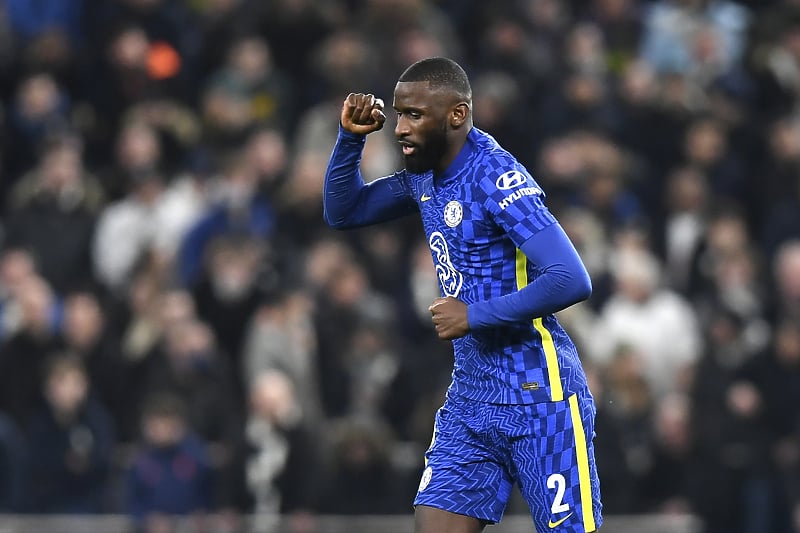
453	149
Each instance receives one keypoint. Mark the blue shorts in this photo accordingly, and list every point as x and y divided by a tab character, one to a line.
479	450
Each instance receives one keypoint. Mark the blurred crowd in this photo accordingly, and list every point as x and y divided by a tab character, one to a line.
180	333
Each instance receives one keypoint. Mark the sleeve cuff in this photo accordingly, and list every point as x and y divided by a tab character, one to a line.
350	136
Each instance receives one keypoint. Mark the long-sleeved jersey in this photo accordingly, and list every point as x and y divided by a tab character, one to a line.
476	215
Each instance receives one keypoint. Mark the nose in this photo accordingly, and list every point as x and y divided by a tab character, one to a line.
401	129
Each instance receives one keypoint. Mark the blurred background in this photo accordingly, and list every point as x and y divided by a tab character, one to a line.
185	346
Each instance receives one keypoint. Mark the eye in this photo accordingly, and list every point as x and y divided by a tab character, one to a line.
413	115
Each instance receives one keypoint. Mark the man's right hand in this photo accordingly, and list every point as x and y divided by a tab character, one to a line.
362	113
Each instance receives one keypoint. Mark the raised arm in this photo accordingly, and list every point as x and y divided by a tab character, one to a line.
349	202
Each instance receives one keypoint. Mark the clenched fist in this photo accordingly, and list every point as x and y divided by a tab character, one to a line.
449	317
362	113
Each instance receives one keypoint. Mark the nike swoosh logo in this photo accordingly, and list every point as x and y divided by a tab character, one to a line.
557	523
424	198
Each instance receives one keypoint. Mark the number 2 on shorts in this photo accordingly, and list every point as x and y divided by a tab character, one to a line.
557	481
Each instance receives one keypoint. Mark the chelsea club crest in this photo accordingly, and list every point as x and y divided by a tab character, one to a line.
453	213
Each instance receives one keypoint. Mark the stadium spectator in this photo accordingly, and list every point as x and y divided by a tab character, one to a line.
23	354
656	323
87	333
785	282
769	385
136	220
148	311
727	428
171	474
281	337
361	478
248	90
236	210
280	452
69	444
38	112
229	290
58	196
686	213
667	486
189	367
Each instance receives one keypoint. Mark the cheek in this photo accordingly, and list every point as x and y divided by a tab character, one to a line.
433	132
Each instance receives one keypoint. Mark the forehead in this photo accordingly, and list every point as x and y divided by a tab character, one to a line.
420	94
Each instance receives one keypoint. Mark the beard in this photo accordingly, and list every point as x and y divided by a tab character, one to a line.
428	155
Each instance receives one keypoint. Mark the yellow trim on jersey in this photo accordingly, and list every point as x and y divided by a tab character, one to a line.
556	391
583	464
549	347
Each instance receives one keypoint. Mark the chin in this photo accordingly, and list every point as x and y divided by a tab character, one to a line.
415	165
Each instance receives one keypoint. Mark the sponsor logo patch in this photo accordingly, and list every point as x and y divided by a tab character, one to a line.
511	180
450	278
516	195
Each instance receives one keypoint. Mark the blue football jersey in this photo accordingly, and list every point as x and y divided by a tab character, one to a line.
476	215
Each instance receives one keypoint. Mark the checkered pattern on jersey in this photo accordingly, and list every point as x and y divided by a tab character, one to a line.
479	450
520	215
474	251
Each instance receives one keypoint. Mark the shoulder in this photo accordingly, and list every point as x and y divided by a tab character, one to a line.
492	160
409	184
498	173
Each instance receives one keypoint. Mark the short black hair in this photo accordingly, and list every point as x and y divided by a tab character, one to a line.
440	72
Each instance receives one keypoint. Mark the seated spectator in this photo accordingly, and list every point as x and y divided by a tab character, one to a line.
230	289
69	444
728	429
39	109
666	487
281	452
57	196
190	367
24	353
769	391
281	336
610	448
250	75
127	229
237	209
170	476
785	289
361	478
87	334
16	267
655	322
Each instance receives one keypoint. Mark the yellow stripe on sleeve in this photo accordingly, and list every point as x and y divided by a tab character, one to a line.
549	347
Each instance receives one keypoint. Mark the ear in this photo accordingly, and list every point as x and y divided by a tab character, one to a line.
459	115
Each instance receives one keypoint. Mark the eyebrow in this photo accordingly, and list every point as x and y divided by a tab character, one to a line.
411	107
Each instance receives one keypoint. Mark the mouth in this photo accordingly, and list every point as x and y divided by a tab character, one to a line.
408	148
